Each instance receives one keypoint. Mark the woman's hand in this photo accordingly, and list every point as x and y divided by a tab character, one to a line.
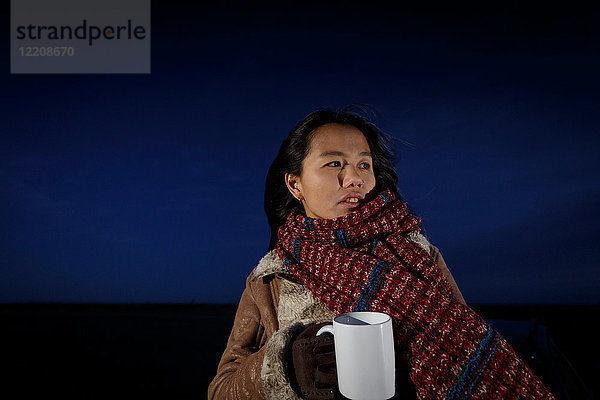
312	364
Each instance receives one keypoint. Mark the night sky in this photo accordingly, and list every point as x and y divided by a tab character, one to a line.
149	188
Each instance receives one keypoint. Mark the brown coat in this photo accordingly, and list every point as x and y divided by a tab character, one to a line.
252	365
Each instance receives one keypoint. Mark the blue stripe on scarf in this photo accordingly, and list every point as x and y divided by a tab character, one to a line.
340	238
469	375
296	247
487	360
384	197
375	244
376	279
308	224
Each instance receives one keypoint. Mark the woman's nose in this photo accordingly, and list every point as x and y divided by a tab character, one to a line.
349	177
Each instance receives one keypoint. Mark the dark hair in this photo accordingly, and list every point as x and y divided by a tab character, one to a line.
279	202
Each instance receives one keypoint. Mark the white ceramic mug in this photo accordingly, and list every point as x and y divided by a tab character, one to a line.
364	354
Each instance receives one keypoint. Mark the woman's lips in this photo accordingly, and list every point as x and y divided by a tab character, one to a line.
353	199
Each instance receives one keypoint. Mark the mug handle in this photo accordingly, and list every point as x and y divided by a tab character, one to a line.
325	329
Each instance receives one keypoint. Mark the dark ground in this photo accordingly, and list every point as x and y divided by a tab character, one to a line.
170	351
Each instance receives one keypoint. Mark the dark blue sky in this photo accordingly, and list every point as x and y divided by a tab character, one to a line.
148	188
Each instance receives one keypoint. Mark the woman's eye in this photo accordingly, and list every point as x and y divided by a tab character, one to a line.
365	165
334	164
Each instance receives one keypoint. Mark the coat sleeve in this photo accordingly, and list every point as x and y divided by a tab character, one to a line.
439	260
239	371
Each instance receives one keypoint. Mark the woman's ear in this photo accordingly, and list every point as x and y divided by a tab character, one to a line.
293	184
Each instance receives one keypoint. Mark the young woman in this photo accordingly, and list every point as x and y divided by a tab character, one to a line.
343	240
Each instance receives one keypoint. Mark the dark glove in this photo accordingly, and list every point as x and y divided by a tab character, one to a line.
313	364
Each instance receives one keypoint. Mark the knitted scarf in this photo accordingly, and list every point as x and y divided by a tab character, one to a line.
363	261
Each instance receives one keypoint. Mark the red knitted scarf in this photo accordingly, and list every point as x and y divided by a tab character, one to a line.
364	261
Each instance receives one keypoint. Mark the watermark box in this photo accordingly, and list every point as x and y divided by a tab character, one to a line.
80	36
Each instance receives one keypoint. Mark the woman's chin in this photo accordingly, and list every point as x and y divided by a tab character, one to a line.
345	210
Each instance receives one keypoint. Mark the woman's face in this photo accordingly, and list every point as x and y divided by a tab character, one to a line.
337	174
